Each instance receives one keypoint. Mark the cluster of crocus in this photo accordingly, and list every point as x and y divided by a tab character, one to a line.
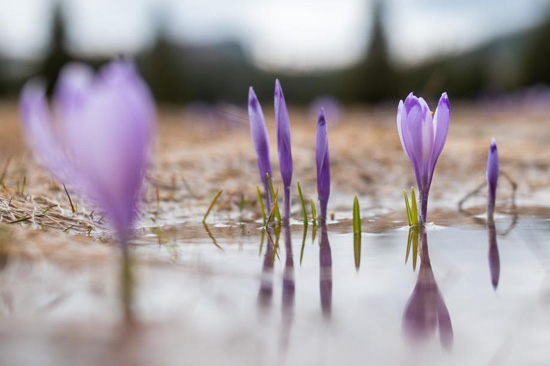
95	139
493	170
261	143
322	158
423	138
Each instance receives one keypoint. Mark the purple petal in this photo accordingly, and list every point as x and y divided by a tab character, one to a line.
260	140
417	132
441	121
493	169
71	90
39	131
322	158
283	135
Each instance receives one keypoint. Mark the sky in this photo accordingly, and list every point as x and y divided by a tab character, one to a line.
277	34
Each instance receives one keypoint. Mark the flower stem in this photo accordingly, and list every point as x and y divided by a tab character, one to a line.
286	216
127	285
423	207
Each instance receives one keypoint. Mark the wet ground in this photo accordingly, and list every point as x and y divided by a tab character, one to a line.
464	294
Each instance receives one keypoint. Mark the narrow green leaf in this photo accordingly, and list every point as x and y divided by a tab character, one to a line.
262	207
407	207
313	213
356	233
302	203
211	206
356	217
414	210
273	209
277	213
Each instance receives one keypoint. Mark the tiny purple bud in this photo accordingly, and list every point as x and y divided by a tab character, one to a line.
283	144
261	142
101	149
322	158
493	169
423	139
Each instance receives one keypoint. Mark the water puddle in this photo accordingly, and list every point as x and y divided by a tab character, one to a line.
467	294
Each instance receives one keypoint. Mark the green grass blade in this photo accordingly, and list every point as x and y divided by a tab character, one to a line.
407	207
414	210
277	213
356	217
313	213
302	202
356	233
262	207
273	209
211	206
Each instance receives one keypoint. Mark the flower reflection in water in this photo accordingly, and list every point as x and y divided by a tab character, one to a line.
265	294
426	309
494	257
289	289
325	279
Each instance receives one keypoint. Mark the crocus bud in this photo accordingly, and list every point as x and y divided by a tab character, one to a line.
261	142
423	139
283	144
322	158
493	169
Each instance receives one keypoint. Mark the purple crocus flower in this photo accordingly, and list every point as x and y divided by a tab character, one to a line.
261	142
322	158
493	168
97	137
423	138
283	144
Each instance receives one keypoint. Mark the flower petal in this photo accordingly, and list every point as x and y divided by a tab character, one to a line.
260	140
110	145
39	130
283	135
441	121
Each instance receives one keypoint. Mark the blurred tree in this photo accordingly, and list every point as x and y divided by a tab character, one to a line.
374	79
57	54
536	67
162	66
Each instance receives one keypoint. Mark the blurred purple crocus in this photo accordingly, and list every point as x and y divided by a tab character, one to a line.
283	144
423	138
322	158
97	136
261	142
493	169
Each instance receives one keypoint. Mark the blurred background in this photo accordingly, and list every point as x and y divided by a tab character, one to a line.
323	51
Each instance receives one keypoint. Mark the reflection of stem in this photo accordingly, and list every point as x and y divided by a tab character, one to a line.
325	280
266	282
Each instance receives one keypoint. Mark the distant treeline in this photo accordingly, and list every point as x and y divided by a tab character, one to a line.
180	73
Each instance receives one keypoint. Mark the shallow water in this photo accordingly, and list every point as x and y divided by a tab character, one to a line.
476	297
